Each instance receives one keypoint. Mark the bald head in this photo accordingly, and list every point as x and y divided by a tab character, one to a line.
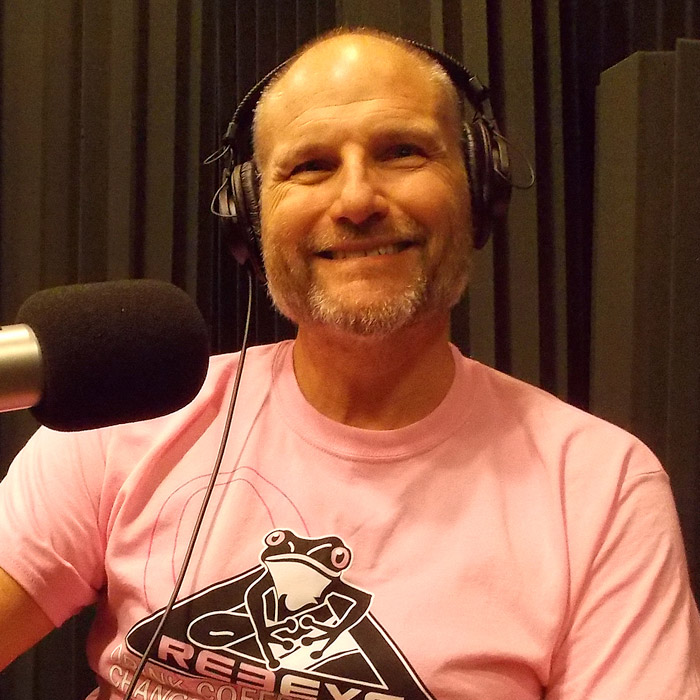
340	55
364	196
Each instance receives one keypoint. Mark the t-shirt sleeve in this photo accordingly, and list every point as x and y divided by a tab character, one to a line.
50	537
632	628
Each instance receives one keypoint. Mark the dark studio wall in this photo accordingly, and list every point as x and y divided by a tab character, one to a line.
109	107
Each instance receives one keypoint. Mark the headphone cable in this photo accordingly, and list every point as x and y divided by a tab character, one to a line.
205	501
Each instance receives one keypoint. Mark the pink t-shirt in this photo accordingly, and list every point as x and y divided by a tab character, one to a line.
506	547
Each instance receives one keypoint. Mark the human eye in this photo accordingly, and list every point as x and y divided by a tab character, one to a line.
313	165
404	150
409	152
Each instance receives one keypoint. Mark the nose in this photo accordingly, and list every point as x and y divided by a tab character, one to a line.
359	199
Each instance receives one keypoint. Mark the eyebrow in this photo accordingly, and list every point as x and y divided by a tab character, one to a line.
316	144
410	132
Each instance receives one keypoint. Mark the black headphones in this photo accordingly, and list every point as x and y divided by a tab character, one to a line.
485	153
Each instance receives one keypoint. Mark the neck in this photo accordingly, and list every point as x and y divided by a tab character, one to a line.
379	383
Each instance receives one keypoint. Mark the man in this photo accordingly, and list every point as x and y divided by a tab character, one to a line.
392	519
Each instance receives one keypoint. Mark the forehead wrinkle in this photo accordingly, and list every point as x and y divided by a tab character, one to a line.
314	133
316	117
311	123
339	97
345	53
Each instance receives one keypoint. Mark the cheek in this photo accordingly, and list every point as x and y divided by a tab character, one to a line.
286	218
436	200
449	220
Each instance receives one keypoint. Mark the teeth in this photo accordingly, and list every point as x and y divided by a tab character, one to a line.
383	250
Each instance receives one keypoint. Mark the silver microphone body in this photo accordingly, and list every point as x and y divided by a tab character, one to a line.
21	373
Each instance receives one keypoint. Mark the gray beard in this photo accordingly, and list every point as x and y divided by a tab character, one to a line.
437	292
376	319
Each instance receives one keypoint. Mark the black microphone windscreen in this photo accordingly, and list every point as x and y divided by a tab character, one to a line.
116	352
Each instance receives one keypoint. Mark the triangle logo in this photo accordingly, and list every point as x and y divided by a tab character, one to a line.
291	627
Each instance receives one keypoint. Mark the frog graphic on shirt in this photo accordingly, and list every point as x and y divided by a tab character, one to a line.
299	604
292	614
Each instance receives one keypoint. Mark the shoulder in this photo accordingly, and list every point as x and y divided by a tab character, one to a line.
258	360
116	449
555	430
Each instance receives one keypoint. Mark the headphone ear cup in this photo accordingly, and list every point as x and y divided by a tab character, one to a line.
249	194
474	162
487	165
242	194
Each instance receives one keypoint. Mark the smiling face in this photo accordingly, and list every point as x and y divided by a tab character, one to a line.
364	195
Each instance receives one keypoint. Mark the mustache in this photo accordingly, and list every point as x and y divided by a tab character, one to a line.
340	234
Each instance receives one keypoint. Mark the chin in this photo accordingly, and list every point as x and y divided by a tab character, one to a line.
367	314
367	324
359	312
